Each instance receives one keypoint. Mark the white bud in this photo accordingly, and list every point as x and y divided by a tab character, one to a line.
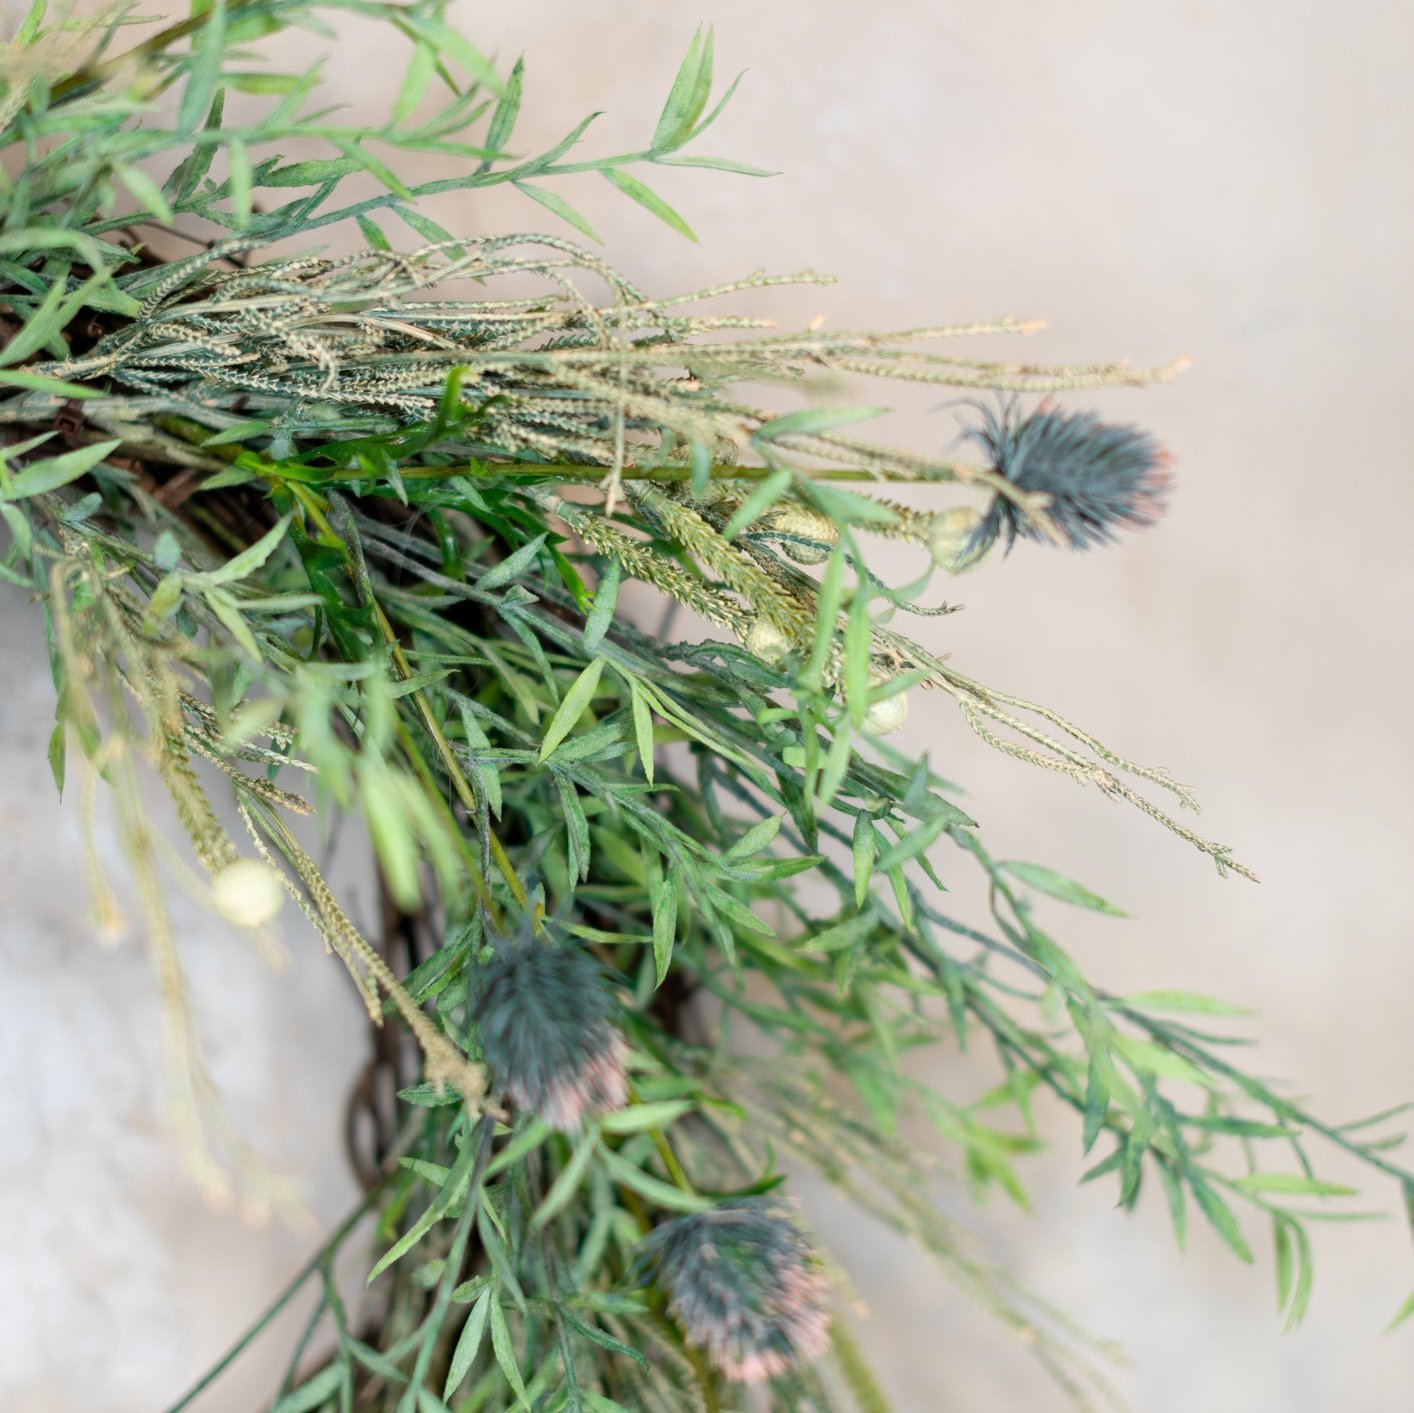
887	715
767	642
248	893
950	538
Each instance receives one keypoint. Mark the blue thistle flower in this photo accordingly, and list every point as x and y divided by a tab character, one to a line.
544	1019
744	1285
1095	476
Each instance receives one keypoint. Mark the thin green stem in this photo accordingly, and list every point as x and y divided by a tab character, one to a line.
310	1268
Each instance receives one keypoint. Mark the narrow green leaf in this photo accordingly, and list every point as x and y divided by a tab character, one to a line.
766	494
835	768
574	704
1296	1184
847	507
1380	1118
858	633
505	1353
468	1343
648	199
434	232
758	837
865	848
204	69
239	174
827	609
658	1114
663	898
263	84
1097	1103
32	24
28	239
1219	1214
606	597
1282	1259
422	64
451	43
1057	885
188	174
642	727
556	204
717	164
1148	1057
146	191
55	471
1173	1190
526	1141
429	1096
913	843
242	431
1305	1276
314	172
42	328
370	1358
58	742
373	234
1402	1314
841	934
721	105
503	120
374	166
1189	1002
511	567
385	810
688	96
324	1385
451	1191
605	1341
661	1194
249	559
37	382
566	1182
813	421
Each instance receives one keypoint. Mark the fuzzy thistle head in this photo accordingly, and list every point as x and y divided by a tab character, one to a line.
544	1017
1095	476
744	1285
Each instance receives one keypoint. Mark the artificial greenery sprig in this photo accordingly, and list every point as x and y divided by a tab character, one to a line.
348	533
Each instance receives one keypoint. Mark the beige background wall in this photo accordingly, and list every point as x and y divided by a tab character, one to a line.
1223	181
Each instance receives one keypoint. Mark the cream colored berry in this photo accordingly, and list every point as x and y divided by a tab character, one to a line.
767	642
887	715
803	525
950	538
248	893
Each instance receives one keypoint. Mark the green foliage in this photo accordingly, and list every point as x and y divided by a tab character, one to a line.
366	523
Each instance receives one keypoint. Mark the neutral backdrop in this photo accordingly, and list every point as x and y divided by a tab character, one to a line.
1227	182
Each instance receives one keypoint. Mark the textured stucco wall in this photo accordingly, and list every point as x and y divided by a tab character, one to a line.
1222	181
